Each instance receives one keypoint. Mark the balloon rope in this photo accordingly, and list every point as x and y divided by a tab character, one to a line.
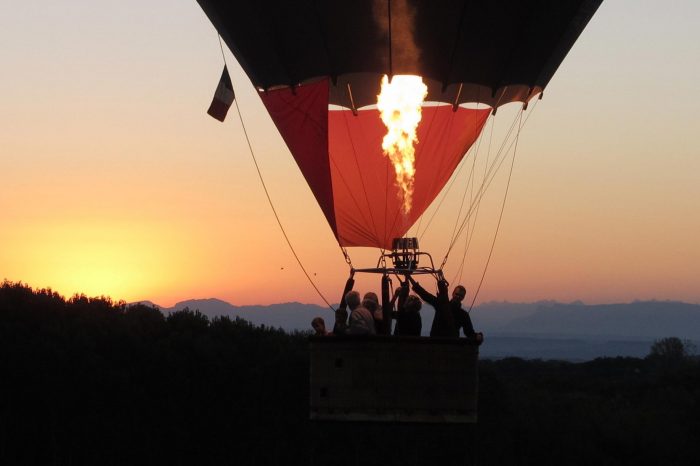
470	231
362	179
442	199
274	211
470	181
419	151
500	216
221	46
391	58
487	182
445	192
492	171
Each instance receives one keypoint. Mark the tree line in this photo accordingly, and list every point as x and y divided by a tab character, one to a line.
88	381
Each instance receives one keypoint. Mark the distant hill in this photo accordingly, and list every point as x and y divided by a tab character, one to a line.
540	330
651	319
495	315
636	320
289	316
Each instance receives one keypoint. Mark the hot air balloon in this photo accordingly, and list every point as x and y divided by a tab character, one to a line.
316	65
319	66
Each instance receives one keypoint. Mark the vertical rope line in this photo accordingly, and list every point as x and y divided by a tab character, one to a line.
267	194
468	235
470	182
495	165
362	179
444	195
458	35
420	151
274	211
391	77
342	177
221	46
500	216
493	169
445	134
391	61
350	191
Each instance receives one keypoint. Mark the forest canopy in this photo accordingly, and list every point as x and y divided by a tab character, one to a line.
94	381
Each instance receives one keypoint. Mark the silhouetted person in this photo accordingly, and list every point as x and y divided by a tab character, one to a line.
461	317
319	326
340	327
371	302
449	315
361	319
352	299
408	320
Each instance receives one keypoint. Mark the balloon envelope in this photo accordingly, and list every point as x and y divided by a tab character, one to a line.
340	155
317	65
489	51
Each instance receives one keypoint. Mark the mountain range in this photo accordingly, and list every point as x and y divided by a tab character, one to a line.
639	319
544	329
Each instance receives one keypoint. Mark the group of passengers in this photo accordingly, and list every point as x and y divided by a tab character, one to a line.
366	316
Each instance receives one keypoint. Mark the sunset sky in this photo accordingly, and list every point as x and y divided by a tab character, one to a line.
114	180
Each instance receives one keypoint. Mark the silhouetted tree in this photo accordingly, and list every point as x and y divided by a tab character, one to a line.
188	320
90	381
671	349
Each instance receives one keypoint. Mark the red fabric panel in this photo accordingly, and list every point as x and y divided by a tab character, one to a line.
366	199
302	119
340	156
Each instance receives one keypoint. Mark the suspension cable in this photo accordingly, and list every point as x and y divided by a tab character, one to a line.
482	192
500	216
470	182
274	211
493	169
269	199
346	255
470	232
445	193
419	151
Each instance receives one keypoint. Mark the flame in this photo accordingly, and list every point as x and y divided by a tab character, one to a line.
399	104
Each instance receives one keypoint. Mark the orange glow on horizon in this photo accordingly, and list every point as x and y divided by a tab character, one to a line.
96	258
115	182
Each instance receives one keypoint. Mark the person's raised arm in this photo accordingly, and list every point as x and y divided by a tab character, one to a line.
400	294
341	314
348	288
424	295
